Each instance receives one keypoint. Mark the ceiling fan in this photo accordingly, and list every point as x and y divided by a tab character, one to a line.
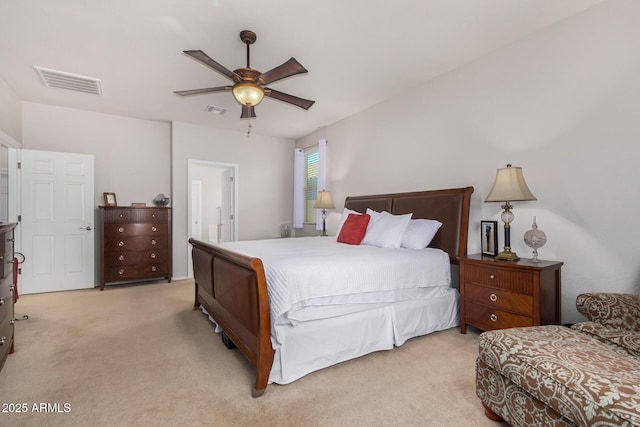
250	84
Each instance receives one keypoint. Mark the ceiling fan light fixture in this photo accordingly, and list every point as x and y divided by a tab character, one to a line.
247	93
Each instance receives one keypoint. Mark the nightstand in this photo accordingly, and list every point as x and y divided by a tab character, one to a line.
507	294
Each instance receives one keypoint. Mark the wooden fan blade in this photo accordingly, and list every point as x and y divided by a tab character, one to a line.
201	91
203	58
248	112
299	102
288	69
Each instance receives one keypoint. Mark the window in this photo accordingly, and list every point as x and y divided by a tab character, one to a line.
312	168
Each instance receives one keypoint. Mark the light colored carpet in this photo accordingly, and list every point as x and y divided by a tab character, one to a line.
139	355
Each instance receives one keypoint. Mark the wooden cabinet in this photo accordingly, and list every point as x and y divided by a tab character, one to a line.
507	294
135	244
6	291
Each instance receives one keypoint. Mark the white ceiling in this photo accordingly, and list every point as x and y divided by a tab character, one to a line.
358	52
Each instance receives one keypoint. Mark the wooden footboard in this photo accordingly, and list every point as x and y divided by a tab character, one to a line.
233	289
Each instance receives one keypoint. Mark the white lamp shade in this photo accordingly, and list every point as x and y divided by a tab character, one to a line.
323	201
509	186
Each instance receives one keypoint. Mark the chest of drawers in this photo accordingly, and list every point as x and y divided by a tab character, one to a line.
6	291
507	294
135	244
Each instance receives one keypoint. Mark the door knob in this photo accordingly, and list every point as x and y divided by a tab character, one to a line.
88	228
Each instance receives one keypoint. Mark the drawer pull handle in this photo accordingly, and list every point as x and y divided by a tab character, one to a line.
1	301
154	268
493	297
121	257
120	243
153	229
121	229
2	340
153	255
492	277
121	271
153	241
493	317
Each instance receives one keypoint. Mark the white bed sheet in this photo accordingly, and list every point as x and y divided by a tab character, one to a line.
317	272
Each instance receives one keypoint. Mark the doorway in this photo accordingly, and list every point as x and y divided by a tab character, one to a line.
212	202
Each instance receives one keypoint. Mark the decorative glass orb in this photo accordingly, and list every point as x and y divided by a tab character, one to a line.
535	239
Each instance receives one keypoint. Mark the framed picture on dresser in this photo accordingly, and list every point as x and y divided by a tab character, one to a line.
489	236
110	199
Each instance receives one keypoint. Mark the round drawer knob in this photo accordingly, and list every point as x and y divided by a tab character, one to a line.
153	215
493	297
121	257
121	271
120	243
493	317
492	277
121	229
153	229
153	255
2	340
1	301
154	268
153	241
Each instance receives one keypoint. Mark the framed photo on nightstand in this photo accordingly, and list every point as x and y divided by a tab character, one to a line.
489	235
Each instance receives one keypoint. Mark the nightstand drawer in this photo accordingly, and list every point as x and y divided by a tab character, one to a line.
507	279
499	299
488	318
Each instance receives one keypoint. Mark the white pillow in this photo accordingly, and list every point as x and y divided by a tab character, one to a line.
386	230
420	233
345	214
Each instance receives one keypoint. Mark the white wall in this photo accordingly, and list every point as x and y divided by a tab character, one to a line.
132	156
10	112
563	104
265	181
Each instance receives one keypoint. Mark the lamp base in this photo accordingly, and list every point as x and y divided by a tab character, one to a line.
507	255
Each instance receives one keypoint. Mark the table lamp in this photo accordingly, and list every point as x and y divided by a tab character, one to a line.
324	202
508	187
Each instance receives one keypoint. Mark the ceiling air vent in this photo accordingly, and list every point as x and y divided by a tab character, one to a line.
216	110
68	81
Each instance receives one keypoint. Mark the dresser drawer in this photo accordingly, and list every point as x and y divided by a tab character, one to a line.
510	280
488	318
6	332
115	231
129	258
137	243
498	299
138	271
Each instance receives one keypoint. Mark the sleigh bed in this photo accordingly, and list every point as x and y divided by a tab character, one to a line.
235	287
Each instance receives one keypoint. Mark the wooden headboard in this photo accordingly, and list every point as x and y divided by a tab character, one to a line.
450	207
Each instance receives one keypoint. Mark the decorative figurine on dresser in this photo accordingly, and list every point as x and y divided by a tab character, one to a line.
7	291
135	244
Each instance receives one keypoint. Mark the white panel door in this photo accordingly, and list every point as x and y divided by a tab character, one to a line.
227	219
57	221
196	209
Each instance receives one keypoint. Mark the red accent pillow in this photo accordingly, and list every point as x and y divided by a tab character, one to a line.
353	229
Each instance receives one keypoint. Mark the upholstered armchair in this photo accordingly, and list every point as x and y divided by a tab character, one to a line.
585	375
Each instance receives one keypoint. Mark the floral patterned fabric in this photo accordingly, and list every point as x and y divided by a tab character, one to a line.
552	375
620	311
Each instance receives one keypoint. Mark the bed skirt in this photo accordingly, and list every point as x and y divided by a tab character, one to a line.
317	344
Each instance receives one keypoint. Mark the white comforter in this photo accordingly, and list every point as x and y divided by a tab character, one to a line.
312	272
